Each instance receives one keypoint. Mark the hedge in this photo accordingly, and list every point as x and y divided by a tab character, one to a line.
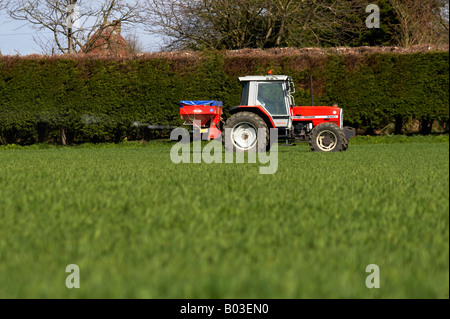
74	100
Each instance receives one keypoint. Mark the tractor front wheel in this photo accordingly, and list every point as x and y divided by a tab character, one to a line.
241	133
327	137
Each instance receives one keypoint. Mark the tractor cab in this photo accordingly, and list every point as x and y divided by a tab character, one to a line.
267	102
272	95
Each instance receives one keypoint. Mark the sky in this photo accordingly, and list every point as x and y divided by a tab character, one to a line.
16	37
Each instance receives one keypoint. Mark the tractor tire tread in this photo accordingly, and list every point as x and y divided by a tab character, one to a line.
331	127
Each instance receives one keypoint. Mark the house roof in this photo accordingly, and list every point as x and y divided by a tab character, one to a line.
108	40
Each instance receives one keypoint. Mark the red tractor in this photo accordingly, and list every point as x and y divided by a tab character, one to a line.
267	102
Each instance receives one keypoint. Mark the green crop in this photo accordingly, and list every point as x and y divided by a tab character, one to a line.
139	226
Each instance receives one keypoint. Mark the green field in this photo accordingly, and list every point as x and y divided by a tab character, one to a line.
139	226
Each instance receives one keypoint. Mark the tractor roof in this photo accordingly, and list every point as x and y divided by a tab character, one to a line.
265	78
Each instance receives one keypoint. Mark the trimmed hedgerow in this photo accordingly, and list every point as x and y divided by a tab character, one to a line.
74	100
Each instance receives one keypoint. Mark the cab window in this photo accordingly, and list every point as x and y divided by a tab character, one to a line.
271	97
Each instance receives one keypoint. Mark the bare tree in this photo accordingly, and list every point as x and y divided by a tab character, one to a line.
3	4
312	23
421	22
444	16
236	24
134	43
75	24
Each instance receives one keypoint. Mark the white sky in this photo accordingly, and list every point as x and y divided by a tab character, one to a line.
16	37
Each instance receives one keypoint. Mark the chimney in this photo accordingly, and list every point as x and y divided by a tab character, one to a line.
117	26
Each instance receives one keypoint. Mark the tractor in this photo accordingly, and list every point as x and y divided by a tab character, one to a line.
267	102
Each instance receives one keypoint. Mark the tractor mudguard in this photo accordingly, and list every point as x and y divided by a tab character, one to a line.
349	132
256	109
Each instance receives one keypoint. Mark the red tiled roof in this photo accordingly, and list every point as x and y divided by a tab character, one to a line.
108	41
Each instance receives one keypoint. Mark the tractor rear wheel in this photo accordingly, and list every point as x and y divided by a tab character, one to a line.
327	137
241	133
